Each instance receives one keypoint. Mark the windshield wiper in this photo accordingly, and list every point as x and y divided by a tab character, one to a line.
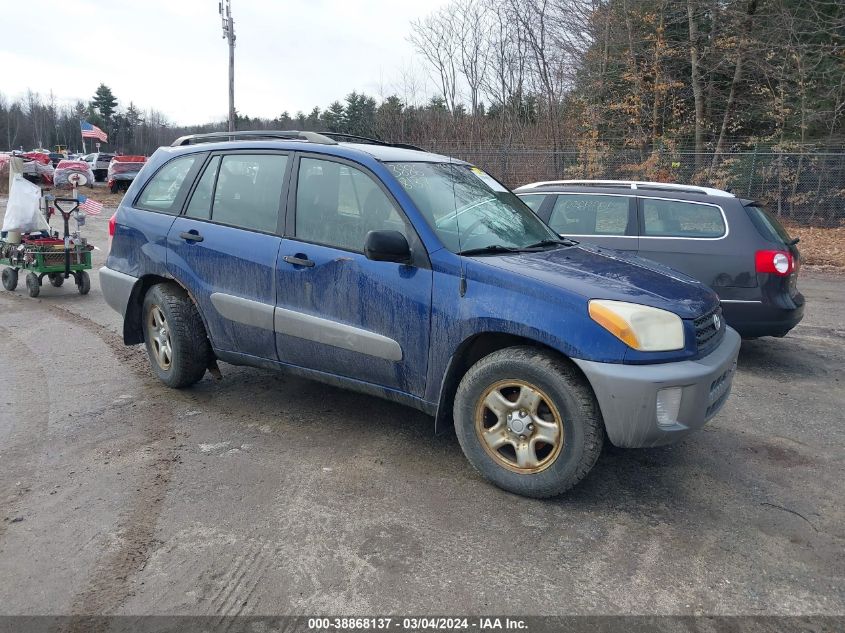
489	250
563	242
531	248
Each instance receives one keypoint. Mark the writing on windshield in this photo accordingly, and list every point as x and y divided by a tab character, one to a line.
467	208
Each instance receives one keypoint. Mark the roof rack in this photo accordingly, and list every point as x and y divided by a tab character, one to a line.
370	141
289	135
635	184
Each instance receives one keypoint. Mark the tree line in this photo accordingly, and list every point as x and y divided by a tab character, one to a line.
35	121
649	76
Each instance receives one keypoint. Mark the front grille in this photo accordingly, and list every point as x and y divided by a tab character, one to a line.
707	334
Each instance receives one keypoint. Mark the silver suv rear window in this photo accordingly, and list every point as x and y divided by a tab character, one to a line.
768	226
677	218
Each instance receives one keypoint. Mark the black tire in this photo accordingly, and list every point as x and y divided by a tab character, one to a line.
555	378
10	279
56	279
83	282
115	188
190	351
33	285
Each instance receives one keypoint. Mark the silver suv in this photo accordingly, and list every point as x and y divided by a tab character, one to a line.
733	245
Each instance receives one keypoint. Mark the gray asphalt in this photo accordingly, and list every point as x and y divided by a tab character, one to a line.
266	494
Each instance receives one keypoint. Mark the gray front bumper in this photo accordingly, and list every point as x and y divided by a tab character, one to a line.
116	288
627	394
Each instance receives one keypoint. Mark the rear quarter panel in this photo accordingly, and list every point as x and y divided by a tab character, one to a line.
725	264
139	244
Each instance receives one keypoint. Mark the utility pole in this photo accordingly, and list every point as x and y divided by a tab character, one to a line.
225	7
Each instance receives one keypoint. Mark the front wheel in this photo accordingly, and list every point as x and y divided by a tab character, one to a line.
33	285
175	336
83	283
528	421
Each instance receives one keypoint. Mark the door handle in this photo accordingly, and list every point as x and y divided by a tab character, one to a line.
298	260
191	236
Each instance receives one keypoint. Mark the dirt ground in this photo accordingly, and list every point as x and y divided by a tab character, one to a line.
820	246
268	494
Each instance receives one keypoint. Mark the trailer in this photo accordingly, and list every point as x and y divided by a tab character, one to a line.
50	256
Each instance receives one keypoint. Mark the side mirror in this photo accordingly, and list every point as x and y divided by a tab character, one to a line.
387	246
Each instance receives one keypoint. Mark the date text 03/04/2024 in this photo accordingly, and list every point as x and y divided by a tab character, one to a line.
417	623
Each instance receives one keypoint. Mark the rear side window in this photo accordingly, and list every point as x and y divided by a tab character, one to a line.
768	226
585	214
675	218
162	192
534	201
249	191
200	205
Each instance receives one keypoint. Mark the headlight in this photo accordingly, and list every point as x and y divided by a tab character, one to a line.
642	327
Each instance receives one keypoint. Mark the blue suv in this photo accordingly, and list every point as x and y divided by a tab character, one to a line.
417	278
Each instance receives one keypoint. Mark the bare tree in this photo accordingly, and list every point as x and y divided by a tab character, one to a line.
473	24
436	38
751	9
695	81
506	56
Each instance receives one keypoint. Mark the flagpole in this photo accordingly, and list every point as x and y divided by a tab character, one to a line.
83	138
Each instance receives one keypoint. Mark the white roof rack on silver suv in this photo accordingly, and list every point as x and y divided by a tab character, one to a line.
634	184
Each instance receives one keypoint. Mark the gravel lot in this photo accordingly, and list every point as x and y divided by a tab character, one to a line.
266	494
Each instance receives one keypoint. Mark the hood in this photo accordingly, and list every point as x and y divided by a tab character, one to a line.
600	273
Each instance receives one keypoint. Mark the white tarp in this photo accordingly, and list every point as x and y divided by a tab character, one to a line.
23	212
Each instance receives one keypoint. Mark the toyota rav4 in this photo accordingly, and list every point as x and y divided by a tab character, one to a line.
418	278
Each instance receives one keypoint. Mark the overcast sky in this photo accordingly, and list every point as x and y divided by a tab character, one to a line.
169	54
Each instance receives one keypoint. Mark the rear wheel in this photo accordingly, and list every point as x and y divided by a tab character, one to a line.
528	421
175	336
10	279
56	279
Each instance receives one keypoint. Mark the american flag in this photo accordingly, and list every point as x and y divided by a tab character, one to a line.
92	131
90	206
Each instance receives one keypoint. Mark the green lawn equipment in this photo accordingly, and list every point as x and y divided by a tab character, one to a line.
49	256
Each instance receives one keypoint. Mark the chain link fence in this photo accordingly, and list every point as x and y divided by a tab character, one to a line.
806	188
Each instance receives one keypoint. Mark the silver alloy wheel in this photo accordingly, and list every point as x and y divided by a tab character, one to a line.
519	426
158	333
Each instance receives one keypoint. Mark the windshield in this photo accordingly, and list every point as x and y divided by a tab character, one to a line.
468	209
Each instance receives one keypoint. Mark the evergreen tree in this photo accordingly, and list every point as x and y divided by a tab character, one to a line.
360	114
335	117
436	104
284	121
313	121
79	110
104	102
133	116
